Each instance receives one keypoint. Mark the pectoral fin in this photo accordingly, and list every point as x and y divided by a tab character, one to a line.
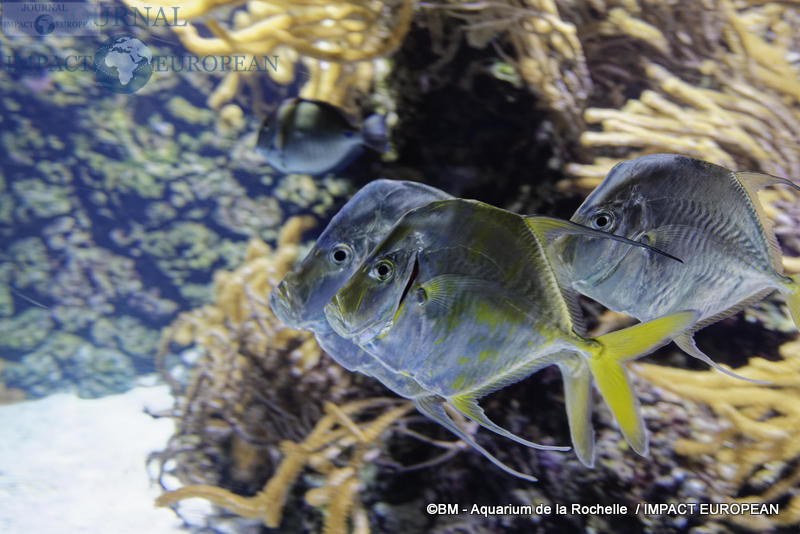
432	407
611	376
443	290
687	344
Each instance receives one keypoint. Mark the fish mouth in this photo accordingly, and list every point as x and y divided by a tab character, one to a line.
285	308
280	303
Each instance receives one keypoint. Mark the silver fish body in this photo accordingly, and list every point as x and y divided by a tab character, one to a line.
458	309
314	137
299	299
462	297
705	214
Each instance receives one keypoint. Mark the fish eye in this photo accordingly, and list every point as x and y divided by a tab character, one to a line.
603	220
340	254
382	271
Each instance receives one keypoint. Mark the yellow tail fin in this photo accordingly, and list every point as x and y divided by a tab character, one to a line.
793	300
611	376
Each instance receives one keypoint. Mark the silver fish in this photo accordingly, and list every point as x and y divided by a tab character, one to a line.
705	214
299	299
462	297
313	137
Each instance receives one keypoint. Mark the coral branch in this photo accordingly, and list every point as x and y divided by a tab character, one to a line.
762	444
345	32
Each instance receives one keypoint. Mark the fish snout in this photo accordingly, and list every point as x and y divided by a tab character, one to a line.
283	307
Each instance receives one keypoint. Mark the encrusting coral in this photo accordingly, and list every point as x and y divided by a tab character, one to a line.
757	453
335	40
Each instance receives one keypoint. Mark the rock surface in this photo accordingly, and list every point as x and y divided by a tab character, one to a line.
78	465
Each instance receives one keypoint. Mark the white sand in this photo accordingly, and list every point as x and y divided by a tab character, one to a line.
74	465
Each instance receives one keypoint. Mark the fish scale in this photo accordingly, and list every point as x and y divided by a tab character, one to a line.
716	224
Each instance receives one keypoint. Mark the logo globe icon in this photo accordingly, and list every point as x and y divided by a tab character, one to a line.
44	24
123	64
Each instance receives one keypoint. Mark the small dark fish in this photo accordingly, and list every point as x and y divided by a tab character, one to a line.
313	137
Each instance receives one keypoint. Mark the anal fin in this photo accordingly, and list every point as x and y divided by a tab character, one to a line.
687	344
577	395
432	407
467	405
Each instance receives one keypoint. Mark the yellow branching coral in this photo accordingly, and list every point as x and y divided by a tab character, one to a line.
240	302
733	100
262	392
550	59
336	40
256	382
759	448
335	433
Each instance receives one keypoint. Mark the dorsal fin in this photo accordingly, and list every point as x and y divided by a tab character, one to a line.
547	230
569	311
752	182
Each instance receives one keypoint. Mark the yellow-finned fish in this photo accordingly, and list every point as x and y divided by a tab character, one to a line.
299	299
313	137
705	214
462	297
